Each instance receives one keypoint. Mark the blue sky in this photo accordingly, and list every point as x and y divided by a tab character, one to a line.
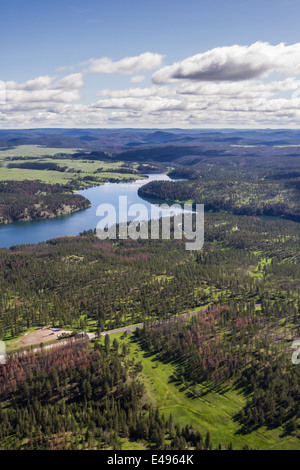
61	39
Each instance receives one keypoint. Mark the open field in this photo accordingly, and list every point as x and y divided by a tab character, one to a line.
40	336
34	336
57	177
213	411
33	151
88	171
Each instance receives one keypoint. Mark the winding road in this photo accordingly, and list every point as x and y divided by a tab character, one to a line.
129	329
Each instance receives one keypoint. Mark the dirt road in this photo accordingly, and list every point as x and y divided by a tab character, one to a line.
140	325
129	329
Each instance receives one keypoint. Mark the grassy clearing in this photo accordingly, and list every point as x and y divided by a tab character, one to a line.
128	445
50	177
100	171
213	411
12	344
210	409
259	269
59	177
34	151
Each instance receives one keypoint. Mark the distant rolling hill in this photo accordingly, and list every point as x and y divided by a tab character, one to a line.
182	146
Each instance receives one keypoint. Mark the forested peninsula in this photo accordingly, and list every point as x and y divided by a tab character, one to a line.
29	200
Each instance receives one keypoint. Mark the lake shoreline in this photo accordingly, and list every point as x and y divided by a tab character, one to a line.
40	230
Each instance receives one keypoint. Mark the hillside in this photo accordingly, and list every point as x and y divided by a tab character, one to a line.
244	284
29	200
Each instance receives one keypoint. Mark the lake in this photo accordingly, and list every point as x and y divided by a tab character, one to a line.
36	231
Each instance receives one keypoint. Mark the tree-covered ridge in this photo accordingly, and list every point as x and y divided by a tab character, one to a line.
268	197
245	285
33	165
78	397
80	282
27	200
239	347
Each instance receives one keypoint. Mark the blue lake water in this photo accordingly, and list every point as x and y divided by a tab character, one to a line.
41	230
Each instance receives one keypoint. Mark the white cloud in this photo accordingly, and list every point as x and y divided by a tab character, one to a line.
197	104
145	100
153	91
233	63
149	106
128	65
42	92
73	81
181	100
137	79
2	92
239	90
38	83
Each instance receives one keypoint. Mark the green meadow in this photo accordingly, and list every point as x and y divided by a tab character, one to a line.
87	171
211	410
34	151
